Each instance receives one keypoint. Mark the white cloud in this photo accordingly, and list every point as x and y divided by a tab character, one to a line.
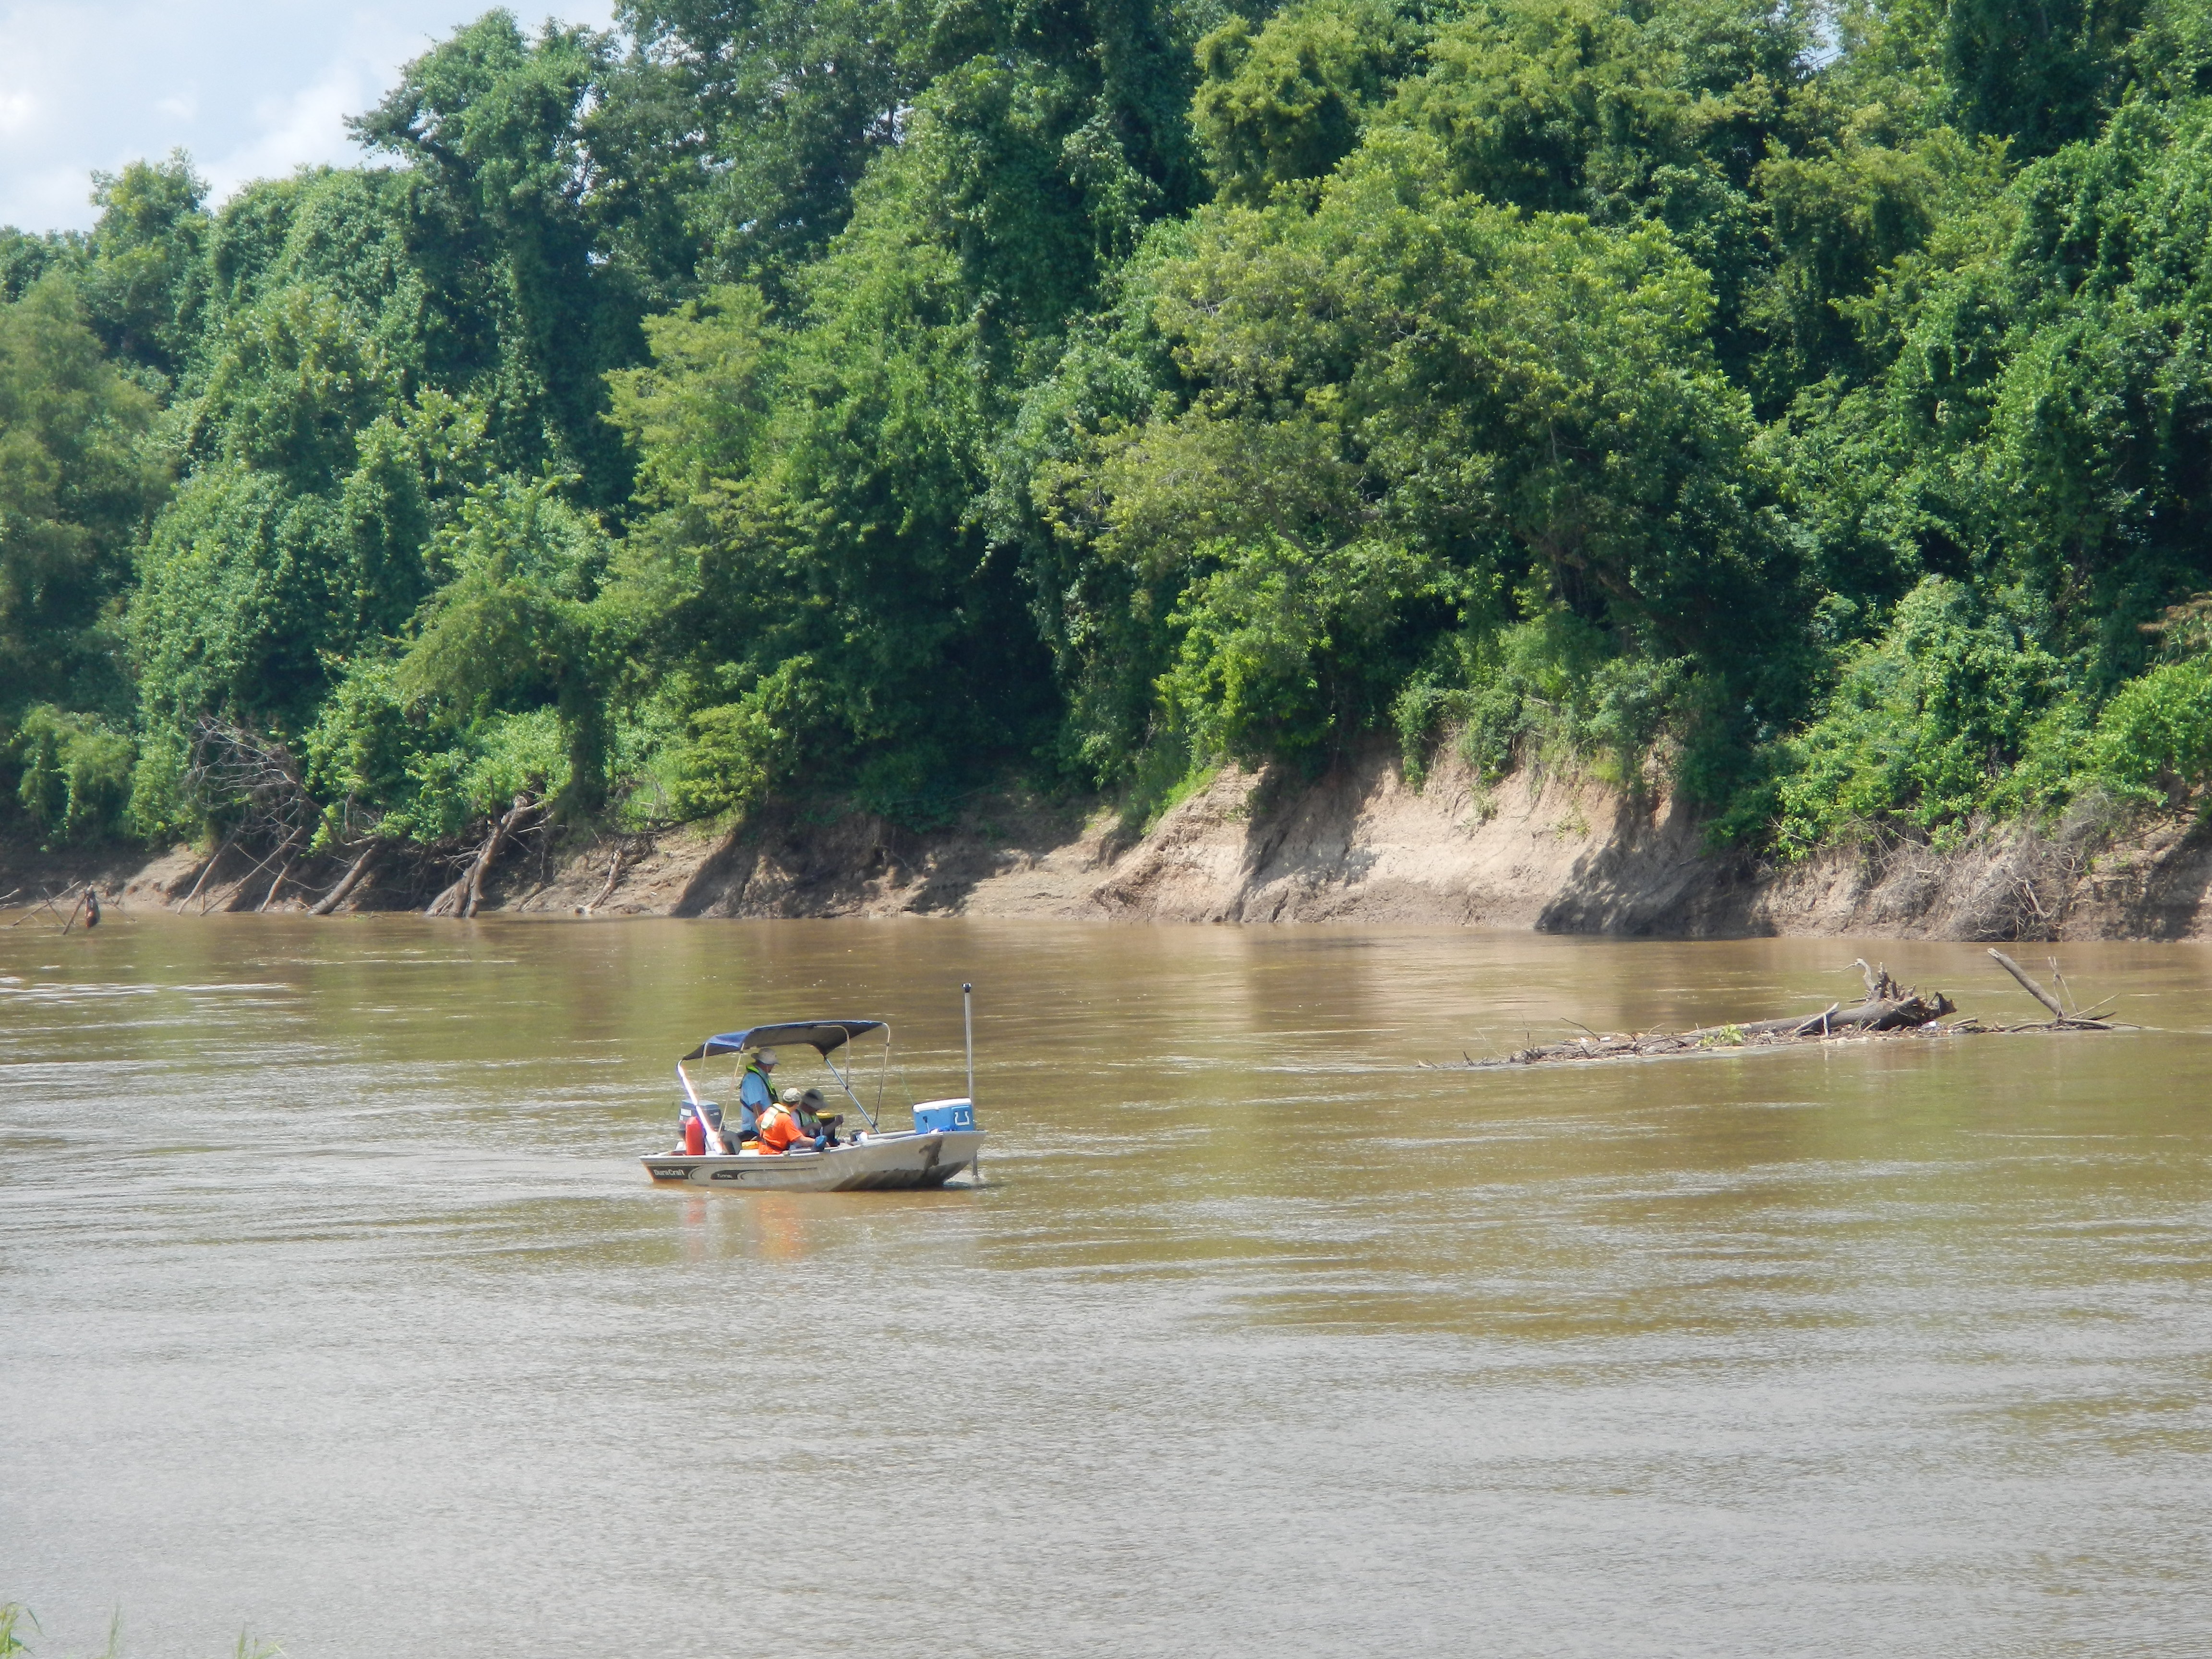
252	88
305	125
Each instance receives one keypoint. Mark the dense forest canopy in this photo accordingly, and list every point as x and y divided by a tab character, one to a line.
1808	408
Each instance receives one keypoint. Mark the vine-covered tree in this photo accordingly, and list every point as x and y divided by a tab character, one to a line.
1802	407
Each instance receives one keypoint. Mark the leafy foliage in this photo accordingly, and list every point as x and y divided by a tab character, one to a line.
1927	719
1803	407
76	773
78	479
1286	102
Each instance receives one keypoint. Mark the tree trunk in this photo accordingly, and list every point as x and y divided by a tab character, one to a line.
206	870
614	875
337	896
291	856
1892	1007
466	894
2029	985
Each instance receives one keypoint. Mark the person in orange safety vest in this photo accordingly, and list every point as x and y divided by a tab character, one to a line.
806	1105
780	1133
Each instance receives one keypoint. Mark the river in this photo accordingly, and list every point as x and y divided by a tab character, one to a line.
334	1303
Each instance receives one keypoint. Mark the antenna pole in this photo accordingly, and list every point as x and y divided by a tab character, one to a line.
967	1021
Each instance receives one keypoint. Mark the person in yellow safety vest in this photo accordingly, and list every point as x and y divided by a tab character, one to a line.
780	1133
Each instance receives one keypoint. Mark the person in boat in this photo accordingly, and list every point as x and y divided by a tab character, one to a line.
807	1106
755	1092
780	1132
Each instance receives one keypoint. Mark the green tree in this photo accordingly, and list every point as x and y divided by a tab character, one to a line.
293	380
491	121
1410	393
871	395
76	773
254	596
78	480
1926	721
1285	102
142	280
25	258
750	122
2042	74
814	498
1624	114
512	631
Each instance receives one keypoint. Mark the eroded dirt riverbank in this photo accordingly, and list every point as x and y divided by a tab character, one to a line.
1360	844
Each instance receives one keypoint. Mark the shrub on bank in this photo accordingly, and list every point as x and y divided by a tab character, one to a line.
75	774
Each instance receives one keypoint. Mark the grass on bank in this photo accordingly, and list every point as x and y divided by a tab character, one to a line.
15	1616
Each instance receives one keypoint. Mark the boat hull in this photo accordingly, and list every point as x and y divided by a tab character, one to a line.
902	1160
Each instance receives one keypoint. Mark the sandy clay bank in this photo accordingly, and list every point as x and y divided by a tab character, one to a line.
1552	852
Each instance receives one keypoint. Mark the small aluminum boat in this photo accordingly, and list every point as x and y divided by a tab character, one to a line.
903	1158
942	1143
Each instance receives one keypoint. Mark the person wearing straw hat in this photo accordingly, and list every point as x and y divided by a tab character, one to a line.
756	1091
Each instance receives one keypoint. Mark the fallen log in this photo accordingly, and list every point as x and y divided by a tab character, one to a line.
1890	1009
466	894
2029	985
524	808
237	888
614	875
206	870
337	896
290	851
88	906
2060	1020
46	903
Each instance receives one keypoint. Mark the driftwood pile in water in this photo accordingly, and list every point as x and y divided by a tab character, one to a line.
1889	1008
2097	1019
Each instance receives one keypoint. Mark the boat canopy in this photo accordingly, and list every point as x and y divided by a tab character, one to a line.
820	1035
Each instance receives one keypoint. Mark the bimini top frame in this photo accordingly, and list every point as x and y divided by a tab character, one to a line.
824	1036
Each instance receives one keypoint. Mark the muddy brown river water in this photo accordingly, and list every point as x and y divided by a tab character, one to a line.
334	1303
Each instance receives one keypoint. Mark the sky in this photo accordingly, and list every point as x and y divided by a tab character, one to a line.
251	88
